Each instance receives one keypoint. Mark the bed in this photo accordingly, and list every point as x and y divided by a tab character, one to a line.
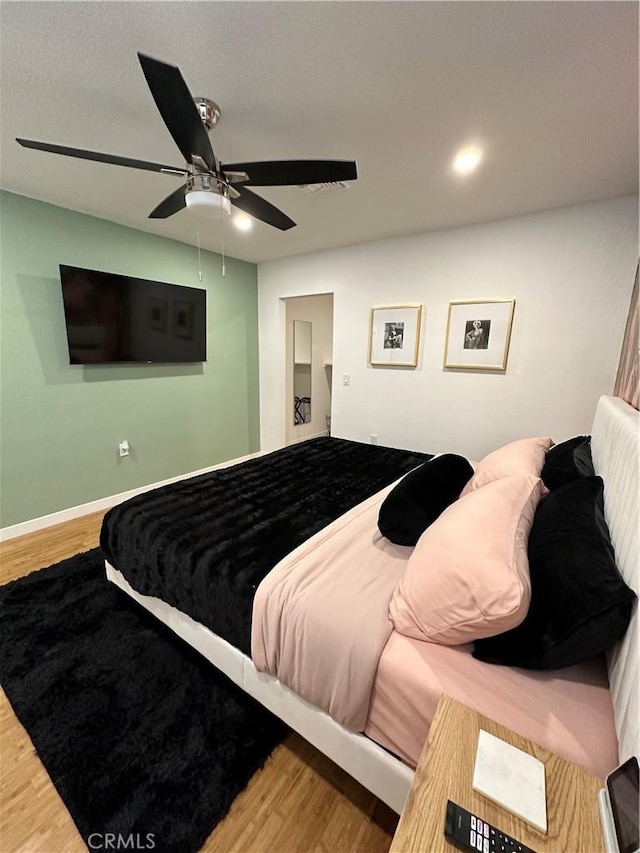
317	504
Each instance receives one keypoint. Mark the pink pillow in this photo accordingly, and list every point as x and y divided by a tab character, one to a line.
525	456
468	576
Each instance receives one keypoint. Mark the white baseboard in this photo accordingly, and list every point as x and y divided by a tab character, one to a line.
320	434
105	503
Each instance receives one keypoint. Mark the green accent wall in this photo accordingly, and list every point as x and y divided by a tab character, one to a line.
60	425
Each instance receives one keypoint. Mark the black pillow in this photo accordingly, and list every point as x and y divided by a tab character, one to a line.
580	605
421	496
567	461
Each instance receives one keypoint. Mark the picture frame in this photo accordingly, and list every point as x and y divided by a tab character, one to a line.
394	335
478	334
157	312
183	313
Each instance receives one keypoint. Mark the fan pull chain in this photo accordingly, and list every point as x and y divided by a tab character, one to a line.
222	228
199	264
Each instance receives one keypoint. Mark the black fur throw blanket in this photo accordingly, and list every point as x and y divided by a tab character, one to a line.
204	544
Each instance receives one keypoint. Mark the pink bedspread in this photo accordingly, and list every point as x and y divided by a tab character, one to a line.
320	617
567	711
321	626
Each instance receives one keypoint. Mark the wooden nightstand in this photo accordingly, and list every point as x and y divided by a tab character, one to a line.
445	771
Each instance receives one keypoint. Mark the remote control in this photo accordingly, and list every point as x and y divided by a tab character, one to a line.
469	832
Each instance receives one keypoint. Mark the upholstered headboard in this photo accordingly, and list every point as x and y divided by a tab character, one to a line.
615	445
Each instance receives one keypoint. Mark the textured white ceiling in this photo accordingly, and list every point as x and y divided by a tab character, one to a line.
550	89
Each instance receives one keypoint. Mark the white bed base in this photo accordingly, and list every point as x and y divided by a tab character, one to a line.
615	442
380	772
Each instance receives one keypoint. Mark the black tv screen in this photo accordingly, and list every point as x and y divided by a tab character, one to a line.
118	319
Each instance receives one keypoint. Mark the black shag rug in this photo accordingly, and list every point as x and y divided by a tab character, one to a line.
140	735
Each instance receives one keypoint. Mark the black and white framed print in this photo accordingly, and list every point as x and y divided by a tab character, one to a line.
394	337
478	334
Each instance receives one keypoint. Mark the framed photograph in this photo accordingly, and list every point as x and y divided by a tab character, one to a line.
158	310
478	334
394	336
183	319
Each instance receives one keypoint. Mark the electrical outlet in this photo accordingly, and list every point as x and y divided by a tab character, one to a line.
123	448
373	438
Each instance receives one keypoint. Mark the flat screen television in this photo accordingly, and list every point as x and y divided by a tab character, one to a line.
118	319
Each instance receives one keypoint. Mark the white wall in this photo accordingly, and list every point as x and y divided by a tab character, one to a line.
319	311
571	272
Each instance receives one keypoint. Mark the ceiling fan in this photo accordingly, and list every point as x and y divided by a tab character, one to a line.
210	184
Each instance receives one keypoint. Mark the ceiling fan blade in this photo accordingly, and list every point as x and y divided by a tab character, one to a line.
178	110
171	204
100	158
274	173
262	209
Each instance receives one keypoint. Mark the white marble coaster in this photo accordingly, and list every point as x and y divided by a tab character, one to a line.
511	778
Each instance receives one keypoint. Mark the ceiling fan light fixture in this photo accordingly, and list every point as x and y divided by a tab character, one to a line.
209	183
207	202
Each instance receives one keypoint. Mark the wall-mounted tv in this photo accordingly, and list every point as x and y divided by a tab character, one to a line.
118	319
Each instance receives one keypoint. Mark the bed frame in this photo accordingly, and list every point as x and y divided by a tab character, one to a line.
615	454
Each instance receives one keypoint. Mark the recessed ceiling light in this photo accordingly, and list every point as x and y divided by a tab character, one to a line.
243	222
467	160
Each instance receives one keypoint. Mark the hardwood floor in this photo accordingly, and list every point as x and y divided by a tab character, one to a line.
298	803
